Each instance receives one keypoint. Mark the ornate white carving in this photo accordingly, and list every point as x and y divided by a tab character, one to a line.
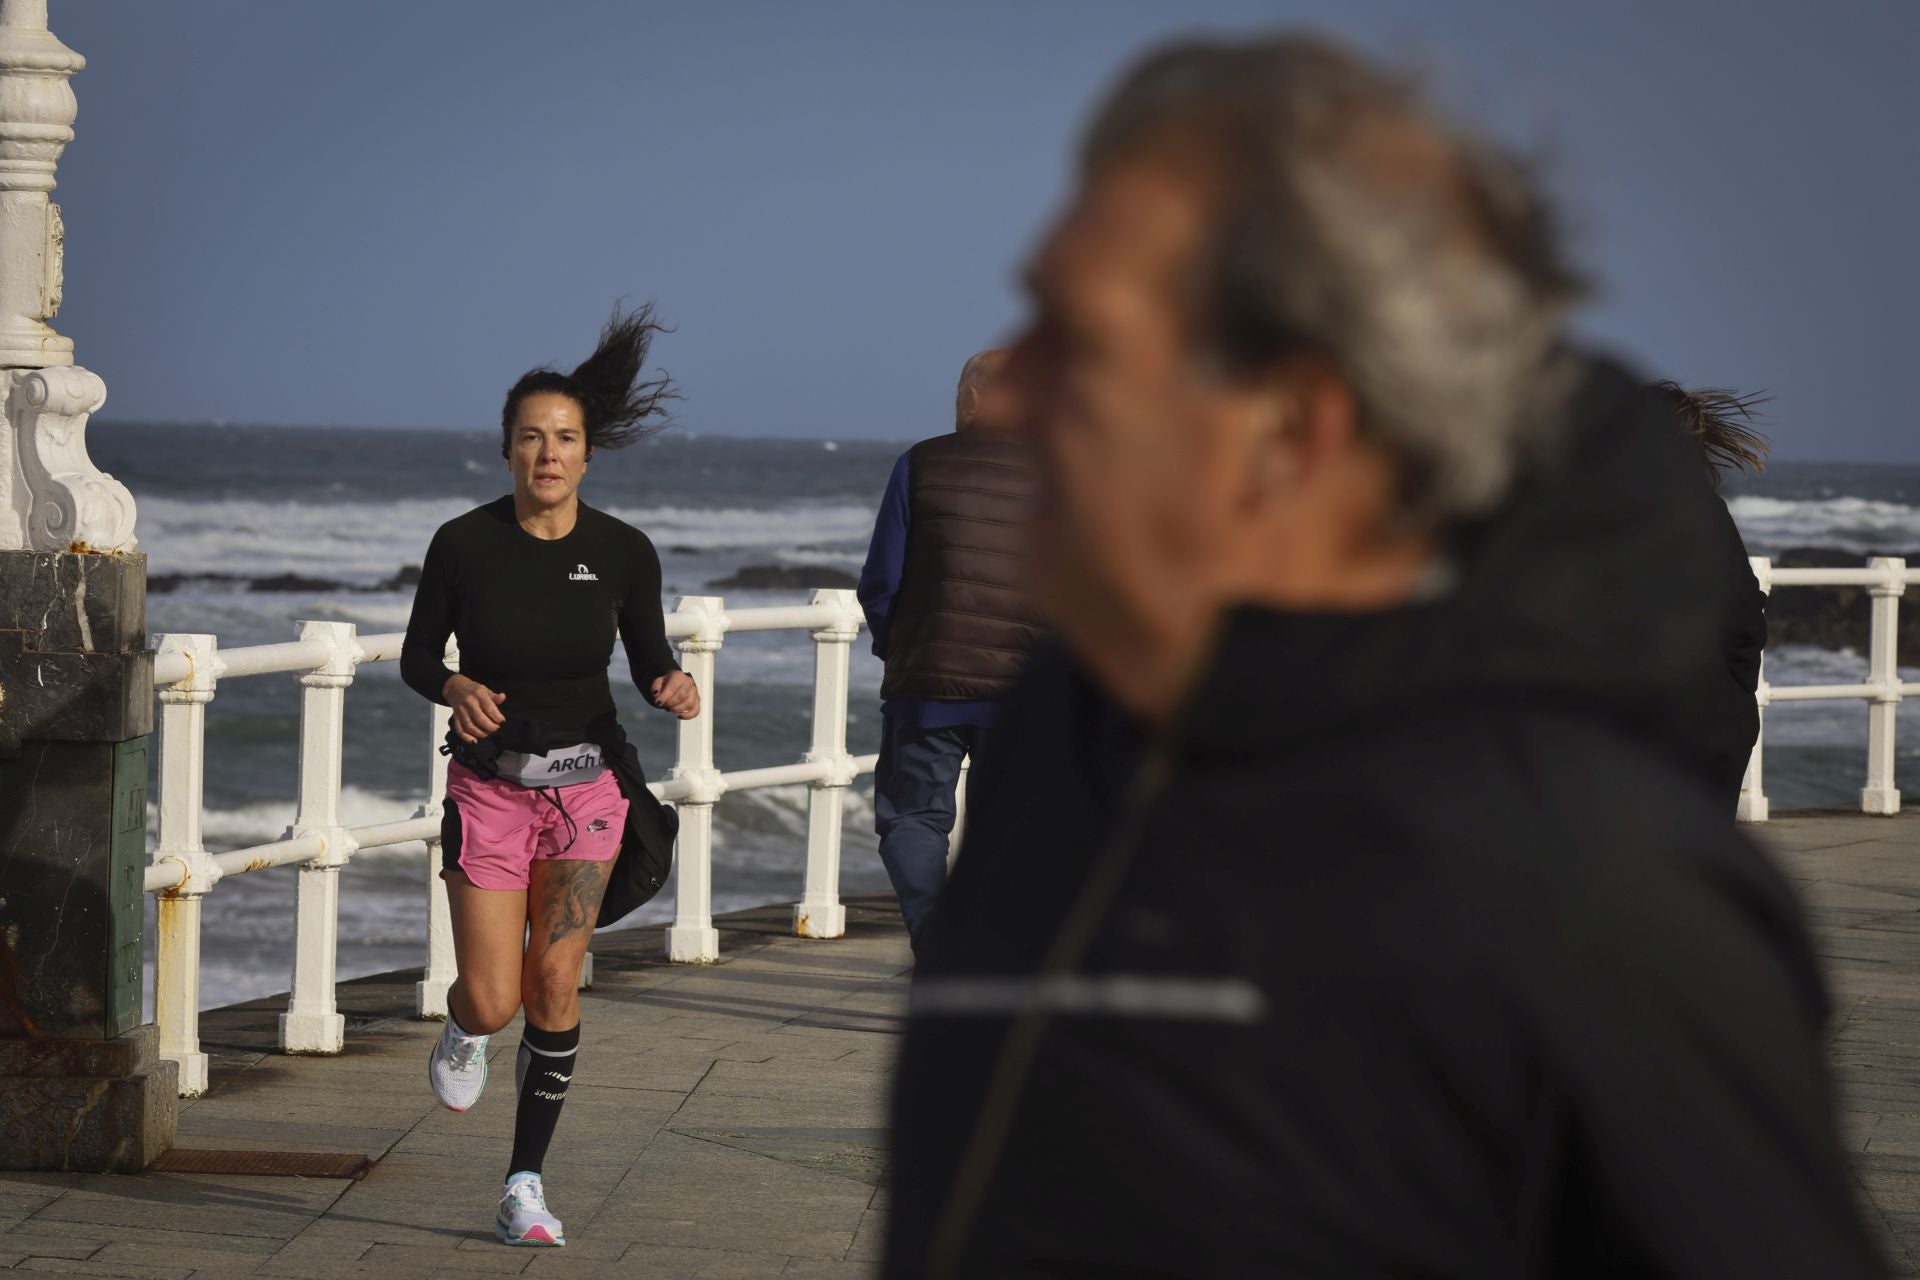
36	123
65	498
51	494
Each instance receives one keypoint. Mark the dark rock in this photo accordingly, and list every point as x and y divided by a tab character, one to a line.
296	582
165	583
407	578
161	584
681	549
784	577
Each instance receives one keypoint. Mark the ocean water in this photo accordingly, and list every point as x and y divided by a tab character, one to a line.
1869	508
355	506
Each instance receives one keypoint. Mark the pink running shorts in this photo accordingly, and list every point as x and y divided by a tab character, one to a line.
494	830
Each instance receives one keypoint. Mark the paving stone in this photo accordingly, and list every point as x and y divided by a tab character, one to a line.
728	1121
109	1235
490	1150
221	1133
1861	880
601	1249
90	1267
776	1047
499	1260
19	1203
324	1241
197	1259
870	1240
691	1192
825	1269
276	1208
313	1269
16	1182
61	1244
643	1260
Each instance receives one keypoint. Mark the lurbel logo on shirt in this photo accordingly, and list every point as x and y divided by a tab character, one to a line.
581	574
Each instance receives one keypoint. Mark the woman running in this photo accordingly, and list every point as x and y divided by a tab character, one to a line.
533	585
1724	719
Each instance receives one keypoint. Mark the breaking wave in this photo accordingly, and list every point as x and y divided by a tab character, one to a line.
1867	525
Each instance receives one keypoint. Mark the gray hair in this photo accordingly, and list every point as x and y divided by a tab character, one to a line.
974	372
978	368
1354	221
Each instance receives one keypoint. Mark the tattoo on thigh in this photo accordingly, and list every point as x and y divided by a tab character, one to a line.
570	898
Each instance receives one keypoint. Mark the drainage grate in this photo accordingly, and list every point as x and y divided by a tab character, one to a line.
281	1164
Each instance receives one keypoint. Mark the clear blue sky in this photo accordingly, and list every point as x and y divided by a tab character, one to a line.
380	213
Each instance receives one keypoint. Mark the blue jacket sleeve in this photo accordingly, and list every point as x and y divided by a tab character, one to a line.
886	557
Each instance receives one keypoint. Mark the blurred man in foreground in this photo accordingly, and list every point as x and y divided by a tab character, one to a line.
1339	900
944	593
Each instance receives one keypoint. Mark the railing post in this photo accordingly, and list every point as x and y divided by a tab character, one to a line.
1880	795
311	1023
430	993
819	913
176	976
693	939
1753	796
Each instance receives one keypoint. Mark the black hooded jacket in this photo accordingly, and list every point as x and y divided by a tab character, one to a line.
1728	716
1432	955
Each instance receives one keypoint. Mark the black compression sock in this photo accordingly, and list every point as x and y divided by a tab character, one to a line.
542	1070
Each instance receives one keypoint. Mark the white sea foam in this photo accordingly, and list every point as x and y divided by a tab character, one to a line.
364	541
1866	525
801	529
369	541
1840	723
269	820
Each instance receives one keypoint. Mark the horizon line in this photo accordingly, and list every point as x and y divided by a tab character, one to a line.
697	434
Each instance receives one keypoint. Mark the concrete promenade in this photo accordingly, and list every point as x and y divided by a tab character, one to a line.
1860	880
728	1120
724	1121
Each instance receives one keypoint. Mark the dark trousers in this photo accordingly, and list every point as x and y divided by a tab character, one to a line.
913	810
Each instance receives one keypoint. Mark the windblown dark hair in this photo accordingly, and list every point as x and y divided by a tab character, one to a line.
617	406
1716	420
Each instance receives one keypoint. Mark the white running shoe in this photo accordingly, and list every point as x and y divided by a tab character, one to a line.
523	1214
457	1067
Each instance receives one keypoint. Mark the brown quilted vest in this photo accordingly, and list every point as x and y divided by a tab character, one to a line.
960	627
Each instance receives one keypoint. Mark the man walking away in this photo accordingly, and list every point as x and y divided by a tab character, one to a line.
943	593
1335	902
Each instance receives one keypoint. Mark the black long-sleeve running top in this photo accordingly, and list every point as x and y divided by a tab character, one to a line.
535	618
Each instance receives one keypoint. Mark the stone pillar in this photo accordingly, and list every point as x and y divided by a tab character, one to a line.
81	1086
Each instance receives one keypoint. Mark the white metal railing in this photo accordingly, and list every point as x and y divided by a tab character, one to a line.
1886	579
186	674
